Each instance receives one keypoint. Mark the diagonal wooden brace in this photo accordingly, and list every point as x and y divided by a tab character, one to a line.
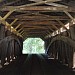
18	26
8	14
69	15
62	25
13	22
20	29
8	25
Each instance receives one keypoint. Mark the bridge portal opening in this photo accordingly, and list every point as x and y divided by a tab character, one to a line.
33	46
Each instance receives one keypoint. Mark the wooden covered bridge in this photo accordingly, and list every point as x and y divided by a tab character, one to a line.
51	20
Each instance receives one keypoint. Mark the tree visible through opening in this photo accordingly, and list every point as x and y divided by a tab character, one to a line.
33	46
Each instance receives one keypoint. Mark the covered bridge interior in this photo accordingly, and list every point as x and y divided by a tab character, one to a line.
51	20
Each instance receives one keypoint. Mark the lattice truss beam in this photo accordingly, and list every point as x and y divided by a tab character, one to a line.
72	22
4	22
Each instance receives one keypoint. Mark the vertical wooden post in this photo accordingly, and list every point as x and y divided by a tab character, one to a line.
2	31
56	51
59	51
65	54
73	58
62	49
70	57
8	52
12	54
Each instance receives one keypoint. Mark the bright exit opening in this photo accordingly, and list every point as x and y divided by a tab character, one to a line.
33	46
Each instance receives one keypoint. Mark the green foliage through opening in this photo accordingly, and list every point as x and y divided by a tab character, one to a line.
33	46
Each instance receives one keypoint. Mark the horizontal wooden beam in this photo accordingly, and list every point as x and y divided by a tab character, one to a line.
39	23
34	4
39	17
38	8
28	28
35	35
36	32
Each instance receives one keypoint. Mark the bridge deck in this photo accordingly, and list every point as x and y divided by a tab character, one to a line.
35	65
